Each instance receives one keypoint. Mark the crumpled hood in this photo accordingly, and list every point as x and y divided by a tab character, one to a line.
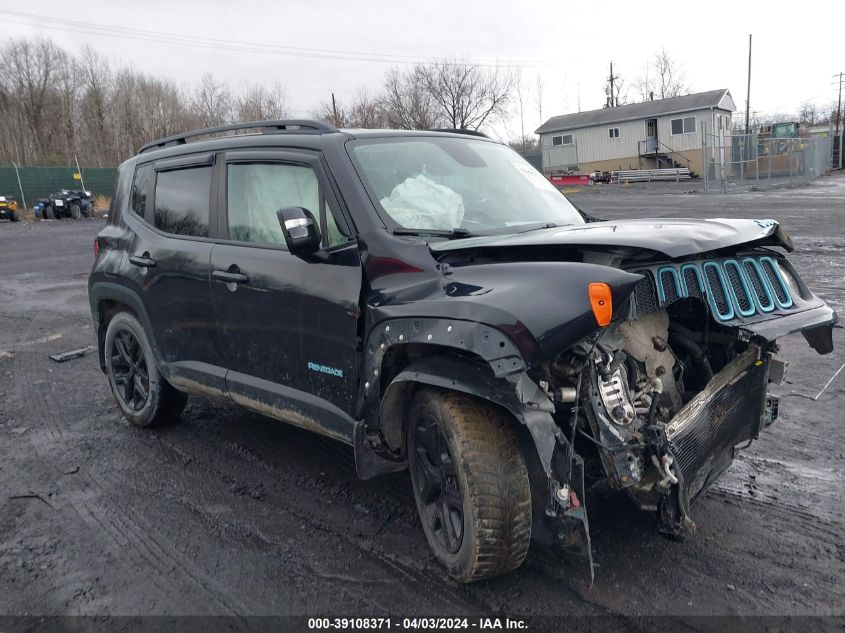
672	237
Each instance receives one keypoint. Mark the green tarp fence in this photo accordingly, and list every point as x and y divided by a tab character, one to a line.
38	182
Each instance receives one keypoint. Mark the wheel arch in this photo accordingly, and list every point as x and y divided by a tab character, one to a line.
107	299
379	439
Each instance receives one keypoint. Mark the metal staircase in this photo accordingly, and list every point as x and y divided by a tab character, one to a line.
664	156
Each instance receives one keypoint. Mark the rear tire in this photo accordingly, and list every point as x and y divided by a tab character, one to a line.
470	484
144	397
75	211
49	214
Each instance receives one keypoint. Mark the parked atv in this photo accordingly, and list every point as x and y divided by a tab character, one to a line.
9	209
67	203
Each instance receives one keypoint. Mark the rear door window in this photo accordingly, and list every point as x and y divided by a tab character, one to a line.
182	201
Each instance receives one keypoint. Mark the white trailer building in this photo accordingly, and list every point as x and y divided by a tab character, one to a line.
649	135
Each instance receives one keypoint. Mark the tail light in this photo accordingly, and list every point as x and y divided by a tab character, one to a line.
96	248
601	302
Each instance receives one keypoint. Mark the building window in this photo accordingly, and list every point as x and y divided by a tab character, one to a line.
566	139
613	132
683	126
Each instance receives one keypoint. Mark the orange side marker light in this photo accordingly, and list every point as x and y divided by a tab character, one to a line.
601	302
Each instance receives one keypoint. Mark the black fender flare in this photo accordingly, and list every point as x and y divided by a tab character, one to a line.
100	291
488	343
516	393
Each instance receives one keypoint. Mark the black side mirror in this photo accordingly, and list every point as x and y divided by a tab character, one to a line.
300	229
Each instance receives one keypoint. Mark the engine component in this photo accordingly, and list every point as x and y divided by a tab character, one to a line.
616	397
645	340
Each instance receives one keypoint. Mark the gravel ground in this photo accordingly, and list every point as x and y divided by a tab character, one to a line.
231	513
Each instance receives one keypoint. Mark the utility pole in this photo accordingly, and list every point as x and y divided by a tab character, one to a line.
334	112
612	102
839	105
748	93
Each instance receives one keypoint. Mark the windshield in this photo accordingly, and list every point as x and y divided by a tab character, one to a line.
445	183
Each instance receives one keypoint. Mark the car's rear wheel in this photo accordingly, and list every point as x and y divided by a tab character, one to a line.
49	214
17	216
75	211
145	398
470	484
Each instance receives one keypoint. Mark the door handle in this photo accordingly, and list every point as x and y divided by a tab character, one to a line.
230	277
142	261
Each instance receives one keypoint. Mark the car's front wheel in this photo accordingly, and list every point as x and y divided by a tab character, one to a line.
470	484
75	211
49	214
145	398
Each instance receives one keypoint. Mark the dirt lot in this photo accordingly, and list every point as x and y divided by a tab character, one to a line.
231	513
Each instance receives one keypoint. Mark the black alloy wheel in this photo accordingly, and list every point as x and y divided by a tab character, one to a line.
129	371
438	486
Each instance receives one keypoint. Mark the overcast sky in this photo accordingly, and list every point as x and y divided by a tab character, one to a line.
797	48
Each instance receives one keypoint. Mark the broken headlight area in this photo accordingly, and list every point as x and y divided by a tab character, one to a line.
658	404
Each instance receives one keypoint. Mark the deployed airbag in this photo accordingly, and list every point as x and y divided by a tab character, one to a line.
420	203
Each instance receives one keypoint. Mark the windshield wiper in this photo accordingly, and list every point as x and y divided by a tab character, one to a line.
457	233
544	225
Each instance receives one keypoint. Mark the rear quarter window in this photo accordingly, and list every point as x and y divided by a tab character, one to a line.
141	188
123	182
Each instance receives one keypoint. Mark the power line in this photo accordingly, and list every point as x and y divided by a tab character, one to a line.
106	30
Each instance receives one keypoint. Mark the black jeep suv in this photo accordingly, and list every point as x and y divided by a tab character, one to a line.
434	302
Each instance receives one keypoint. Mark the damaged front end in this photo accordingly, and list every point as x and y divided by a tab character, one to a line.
657	402
650	386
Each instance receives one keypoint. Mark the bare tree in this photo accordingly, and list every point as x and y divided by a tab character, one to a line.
95	117
538	96
367	112
334	113
407	105
364	112
467	96
258	103
212	103
644	84
662	78
29	70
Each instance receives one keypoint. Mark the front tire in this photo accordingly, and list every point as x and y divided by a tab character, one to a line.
75	211
145	398
49	213
470	484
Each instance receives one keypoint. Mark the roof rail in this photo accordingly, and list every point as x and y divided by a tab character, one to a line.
461	131
267	127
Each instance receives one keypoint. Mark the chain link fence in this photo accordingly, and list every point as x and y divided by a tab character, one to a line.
737	162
